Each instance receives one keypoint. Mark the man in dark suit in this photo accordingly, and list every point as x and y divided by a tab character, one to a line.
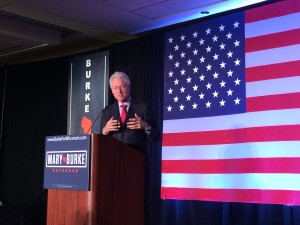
138	126
135	128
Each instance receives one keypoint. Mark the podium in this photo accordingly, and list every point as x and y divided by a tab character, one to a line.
116	194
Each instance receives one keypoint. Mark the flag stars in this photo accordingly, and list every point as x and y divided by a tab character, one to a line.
229	92
223	64
208	49
237	81
211	82
222	103
237	62
230	72
208	86
195	52
202	77
222	46
216	57
236	43
237	101
222	27
208	67
215	94
216	75
222	84
208	104
229	35
195	88
236	24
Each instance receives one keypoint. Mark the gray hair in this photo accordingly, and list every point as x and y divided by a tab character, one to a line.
120	75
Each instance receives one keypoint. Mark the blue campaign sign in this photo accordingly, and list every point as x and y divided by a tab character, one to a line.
67	162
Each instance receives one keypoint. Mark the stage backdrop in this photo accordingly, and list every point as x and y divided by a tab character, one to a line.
88	86
231	108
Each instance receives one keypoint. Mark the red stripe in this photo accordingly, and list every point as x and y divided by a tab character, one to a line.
275	40
221	166
254	134
273	102
272	10
279	70
233	195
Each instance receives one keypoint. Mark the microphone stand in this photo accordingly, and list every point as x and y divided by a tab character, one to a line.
94	122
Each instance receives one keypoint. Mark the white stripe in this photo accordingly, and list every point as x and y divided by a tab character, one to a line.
273	56
233	181
274	25
227	122
274	86
233	151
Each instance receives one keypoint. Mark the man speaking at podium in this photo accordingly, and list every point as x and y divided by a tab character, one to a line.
130	122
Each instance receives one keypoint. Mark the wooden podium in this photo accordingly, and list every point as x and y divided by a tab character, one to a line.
116	195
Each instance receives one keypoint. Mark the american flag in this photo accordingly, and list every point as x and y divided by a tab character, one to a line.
231	129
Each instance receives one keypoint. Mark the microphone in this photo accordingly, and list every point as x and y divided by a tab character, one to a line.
94	122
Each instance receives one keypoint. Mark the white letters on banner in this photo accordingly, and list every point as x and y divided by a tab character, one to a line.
87	86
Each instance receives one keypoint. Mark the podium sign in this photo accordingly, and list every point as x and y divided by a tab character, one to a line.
67	160
116	192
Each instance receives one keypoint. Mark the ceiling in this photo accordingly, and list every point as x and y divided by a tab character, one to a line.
39	29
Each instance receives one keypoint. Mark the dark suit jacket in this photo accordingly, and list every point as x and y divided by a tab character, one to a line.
135	138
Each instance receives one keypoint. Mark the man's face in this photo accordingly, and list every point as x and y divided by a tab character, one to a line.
120	90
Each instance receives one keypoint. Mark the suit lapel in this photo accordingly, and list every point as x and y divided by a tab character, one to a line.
115	111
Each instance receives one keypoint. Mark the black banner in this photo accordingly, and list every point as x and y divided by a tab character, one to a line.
88	86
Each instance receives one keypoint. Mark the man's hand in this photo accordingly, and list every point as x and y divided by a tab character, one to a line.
111	125
136	123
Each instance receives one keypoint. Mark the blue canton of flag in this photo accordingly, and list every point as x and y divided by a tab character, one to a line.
205	69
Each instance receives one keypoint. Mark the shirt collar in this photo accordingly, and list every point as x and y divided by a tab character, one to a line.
126	103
